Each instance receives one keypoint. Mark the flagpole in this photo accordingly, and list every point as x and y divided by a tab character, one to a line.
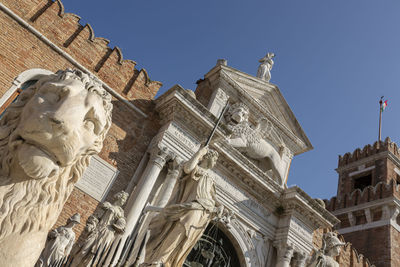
380	119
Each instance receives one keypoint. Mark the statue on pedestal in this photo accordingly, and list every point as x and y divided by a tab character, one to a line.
47	137
264	70
110	223
177	228
59	243
325	257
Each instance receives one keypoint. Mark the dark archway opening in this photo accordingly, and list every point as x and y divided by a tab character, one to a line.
214	249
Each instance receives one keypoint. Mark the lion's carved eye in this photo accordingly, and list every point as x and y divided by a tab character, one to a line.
48	96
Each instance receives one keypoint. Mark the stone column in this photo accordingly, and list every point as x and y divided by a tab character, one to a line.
300	259
138	199
159	155
174	168
285	254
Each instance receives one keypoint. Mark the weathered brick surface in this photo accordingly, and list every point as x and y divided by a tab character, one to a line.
395	246
375	242
130	133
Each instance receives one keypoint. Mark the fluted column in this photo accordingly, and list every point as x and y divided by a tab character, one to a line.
285	254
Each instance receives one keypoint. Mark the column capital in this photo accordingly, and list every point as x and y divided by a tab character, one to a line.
300	259
285	252
175	166
159	155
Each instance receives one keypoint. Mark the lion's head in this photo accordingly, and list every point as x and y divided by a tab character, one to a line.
46	139
238	113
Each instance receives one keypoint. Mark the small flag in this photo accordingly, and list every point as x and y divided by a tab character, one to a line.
384	105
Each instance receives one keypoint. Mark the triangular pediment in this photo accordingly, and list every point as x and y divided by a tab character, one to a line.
266	96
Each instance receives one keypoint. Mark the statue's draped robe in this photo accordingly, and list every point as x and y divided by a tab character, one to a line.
175	231
82	250
57	247
110	223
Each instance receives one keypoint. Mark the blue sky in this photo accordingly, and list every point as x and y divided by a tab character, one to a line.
334	59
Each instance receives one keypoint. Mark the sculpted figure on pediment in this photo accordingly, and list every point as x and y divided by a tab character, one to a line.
47	137
266	64
252	141
325	257
177	227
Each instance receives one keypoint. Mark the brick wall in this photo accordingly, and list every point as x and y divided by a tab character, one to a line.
375	243
130	132
395	246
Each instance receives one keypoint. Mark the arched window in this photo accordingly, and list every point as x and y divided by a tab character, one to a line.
214	249
21	82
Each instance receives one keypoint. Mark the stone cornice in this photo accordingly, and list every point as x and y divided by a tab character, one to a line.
177	104
296	199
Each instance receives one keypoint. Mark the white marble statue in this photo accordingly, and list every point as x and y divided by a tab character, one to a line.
325	257
261	245
59	243
110	223
47	138
251	141
83	247
177	228
266	64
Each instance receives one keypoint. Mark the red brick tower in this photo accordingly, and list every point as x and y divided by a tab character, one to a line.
368	201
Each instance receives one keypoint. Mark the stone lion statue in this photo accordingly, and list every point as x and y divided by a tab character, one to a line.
47	137
252	141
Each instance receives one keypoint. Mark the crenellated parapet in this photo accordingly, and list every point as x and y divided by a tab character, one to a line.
370	193
79	41
349	256
368	151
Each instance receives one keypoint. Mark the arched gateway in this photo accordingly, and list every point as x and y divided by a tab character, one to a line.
213	249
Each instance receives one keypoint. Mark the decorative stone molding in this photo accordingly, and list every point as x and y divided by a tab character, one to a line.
388	207
368	216
352	219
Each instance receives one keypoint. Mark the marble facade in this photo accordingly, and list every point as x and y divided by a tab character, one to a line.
272	224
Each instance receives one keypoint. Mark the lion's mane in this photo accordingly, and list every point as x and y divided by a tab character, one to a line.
35	204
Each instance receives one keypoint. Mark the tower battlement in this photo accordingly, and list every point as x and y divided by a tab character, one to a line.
368	151
368	194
